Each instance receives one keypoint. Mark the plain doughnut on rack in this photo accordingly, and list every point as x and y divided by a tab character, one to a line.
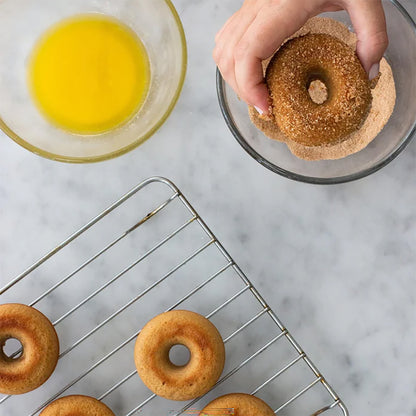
241	403
76	405
40	351
178	327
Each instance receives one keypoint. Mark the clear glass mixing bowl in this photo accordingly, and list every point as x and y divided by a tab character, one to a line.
22	22
398	132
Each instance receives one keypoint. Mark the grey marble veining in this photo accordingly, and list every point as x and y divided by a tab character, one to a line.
337	264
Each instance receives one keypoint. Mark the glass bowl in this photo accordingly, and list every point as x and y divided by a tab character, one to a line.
22	22
398	132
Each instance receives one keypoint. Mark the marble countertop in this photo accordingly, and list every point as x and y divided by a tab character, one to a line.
337	263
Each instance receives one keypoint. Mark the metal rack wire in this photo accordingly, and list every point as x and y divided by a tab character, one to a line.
226	284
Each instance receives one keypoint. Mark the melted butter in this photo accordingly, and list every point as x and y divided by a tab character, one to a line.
89	74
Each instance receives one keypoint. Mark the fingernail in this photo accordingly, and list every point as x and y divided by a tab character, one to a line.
259	110
374	70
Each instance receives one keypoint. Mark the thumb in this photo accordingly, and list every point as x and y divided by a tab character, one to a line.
369	22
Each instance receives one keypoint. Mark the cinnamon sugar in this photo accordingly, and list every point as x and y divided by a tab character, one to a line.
383	94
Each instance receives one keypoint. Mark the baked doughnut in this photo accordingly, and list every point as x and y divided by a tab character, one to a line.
178	327
383	101
40	348
243	405
76	405
308	58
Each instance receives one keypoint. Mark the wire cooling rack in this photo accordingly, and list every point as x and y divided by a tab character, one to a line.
149	252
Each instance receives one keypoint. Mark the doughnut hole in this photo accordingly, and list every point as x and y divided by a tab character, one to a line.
11	349
317	85
179	355
318	91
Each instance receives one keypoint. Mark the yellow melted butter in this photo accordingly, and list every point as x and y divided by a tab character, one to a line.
89	74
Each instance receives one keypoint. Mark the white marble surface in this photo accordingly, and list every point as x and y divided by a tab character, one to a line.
336	263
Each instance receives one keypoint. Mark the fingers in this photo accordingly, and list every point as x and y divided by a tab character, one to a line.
226	24
251	35
369	22
331	8
260	27
266	33
220	52
226	41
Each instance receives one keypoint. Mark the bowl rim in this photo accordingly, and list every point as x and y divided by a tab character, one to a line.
70	159
225	110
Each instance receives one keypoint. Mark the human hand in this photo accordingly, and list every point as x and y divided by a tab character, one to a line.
256	31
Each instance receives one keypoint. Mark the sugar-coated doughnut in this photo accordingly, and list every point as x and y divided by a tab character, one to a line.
383	93
242	404
179	327
298	63
40	348
76	405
